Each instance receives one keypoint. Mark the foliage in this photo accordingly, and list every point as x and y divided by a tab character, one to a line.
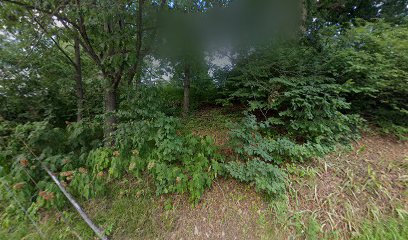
304	95
373	56
153	141
203	90
202	93
388	228
148	101
149	142
345	11
301	118
266	177
64	151
178	163
363	65
126	197
293	114
29	89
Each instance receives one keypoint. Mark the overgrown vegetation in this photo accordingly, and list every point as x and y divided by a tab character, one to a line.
101	93
370	56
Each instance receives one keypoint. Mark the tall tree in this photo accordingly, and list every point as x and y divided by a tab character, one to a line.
78	80
186	86
29	90
75	61
111	34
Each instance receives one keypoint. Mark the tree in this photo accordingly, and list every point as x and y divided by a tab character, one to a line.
112	35
345	11
184	48
75	61
186	86
78	80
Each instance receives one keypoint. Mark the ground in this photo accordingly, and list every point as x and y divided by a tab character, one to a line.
330	197
357	192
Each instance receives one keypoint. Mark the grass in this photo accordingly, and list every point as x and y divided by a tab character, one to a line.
394	227
359	194
130	211
347	195
52	228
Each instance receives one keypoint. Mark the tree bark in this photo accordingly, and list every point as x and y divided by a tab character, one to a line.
138	80
110	118
78	80
139	41
186	102
303	16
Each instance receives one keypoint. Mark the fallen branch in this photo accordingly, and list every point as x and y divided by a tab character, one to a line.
99	232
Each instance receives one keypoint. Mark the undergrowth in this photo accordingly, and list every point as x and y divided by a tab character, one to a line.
288	120
133	204
394	227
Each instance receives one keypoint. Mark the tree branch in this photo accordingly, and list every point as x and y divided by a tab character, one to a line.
86	43
46	11
65	21
55	42
139	52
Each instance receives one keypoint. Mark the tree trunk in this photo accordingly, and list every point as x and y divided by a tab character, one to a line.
78	80
139	40
138	80
110	118
303	16
186	102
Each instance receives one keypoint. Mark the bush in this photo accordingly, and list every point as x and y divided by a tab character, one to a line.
151	140
266	177
299	119
63	151
293	113
373	56
148	142
178	163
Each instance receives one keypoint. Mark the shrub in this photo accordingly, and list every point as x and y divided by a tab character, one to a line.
63	151
373	55
266	177
149	142
298	119
294	113
178	163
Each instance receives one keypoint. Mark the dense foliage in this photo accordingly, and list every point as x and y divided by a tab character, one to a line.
98	92
177	163
266	177
304	120
373	56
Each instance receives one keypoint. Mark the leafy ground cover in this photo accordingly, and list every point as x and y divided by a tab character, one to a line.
358	193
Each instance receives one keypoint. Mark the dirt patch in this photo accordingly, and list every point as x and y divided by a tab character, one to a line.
229	210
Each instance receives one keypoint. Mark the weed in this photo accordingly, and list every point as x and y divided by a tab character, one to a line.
389	228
